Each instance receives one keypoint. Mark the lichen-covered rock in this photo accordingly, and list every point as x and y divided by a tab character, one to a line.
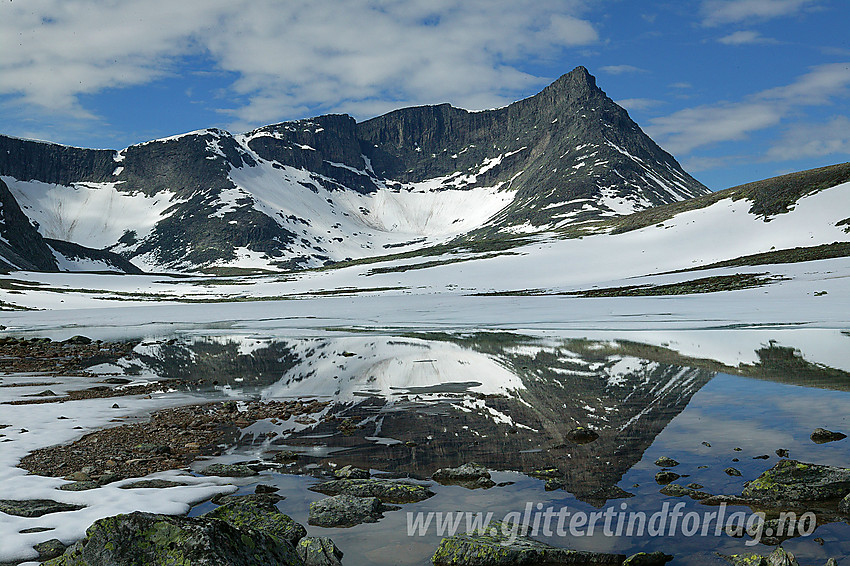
470	475
350	472
49	549
35	507
229	471
790	480
664	477
261	515
666	462
145	538
822	436
779	557
319	551
386	490
496	548
648	559
346	511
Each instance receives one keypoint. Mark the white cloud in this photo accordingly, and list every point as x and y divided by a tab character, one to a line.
356	56
813	140
744	38
621	69
718	12
639	103
686	130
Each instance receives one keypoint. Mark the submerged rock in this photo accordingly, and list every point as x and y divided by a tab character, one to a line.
790	480
319	551
35	507
676	490
385	490
663	478
822	436
346	511
470	475
582	435
145	538
498	548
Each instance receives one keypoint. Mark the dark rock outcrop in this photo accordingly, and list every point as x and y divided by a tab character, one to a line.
21	246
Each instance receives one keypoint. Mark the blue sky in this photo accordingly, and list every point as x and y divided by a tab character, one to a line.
736	90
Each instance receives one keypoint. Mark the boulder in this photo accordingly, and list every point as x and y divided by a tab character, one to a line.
790	480
260	515
821	436
229	471
146	538
664	477
319	551
350	472
666	462
498	548
648	559
35	507
779	557
470	475
386	490
346	511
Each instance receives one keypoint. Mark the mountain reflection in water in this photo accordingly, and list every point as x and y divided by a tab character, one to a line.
412	404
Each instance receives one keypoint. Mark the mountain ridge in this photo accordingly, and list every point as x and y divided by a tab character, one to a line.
321	190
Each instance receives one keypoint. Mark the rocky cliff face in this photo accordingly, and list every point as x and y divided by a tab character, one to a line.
309	192
21	246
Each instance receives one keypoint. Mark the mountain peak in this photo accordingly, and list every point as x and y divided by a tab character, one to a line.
577	80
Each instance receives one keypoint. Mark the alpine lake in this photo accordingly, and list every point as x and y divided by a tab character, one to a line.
575	421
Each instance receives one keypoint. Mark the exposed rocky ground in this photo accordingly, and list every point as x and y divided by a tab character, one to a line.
66	357
173	438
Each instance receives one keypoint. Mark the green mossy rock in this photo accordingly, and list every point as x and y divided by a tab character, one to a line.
790	480
319	551
144	539
260	515
495	548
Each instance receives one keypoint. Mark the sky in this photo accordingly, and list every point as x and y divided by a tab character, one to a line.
736	90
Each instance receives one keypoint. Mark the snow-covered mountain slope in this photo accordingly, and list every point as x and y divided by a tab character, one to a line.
798	254
312	192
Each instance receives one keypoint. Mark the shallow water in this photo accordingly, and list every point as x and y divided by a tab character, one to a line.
410	403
